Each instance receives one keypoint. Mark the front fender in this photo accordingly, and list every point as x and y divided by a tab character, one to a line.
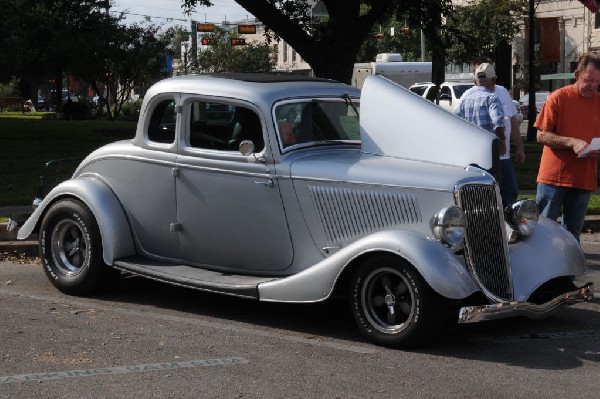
117	240
444	271
551	251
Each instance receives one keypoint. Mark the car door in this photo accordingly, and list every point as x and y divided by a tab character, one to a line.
144	180
228	205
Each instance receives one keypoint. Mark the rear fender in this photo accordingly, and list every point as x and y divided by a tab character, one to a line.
117	240
444	271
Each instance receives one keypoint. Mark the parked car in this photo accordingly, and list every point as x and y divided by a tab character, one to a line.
297	197
450	93
540	99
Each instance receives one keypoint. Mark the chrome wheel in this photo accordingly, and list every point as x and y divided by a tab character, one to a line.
388	300
69	247
392	304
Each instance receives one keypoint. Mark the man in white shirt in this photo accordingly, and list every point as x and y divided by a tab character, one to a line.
508	184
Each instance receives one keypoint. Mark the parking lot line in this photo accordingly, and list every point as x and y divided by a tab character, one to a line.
140	368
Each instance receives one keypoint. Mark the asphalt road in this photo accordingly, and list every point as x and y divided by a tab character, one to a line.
144	339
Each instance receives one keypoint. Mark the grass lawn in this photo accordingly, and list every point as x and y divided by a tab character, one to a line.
28	115
27	144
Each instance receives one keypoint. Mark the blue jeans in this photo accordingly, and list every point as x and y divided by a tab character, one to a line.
573	201
509	190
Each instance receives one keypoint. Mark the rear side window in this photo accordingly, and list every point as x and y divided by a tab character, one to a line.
161	128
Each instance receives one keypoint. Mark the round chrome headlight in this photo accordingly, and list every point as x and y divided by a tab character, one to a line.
449	225
523	216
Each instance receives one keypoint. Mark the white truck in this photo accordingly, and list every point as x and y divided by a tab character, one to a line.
391	66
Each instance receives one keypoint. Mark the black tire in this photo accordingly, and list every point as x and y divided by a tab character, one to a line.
71	249
392	304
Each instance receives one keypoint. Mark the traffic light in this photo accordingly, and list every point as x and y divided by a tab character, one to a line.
238	42
378	35
205	41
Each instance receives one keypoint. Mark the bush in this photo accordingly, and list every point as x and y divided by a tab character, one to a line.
131	111
75	110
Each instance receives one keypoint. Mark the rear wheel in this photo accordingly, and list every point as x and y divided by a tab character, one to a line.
392	304
71	249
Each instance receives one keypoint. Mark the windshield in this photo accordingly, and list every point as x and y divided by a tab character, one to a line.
459	90
317	121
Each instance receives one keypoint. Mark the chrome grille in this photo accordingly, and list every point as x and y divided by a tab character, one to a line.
347	213
486	248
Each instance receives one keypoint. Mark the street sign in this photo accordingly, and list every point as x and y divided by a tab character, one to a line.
246	29
200	27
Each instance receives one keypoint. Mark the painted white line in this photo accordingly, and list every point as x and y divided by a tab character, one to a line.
235	326
140	368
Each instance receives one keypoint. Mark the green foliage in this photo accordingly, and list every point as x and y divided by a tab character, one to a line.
221	56
11	88
406	41
50	39
131	111
477	28
330	45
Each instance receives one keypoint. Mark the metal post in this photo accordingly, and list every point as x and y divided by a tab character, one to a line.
532	114
423	52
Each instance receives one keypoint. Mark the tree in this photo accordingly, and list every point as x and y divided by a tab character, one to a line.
477	28
331	45
406	41
45	40
132	55
177	45
221	56
40	39
11	88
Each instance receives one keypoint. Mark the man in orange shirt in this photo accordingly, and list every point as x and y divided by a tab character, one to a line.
567	123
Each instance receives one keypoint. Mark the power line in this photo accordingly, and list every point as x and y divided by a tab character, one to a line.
153	16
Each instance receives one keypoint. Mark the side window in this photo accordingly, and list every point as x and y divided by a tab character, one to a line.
432	93
162	122
445	93
420	90
219	126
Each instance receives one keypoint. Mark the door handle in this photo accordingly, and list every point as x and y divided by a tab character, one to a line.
268	182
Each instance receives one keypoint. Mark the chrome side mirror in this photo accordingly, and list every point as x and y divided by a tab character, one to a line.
246	147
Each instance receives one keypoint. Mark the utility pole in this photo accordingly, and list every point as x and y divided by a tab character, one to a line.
532	112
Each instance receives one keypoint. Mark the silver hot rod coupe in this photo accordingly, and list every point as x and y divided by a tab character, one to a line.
289	189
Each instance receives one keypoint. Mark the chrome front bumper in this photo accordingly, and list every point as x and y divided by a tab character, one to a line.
475	314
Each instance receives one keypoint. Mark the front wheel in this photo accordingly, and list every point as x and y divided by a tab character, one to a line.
392	304
71	249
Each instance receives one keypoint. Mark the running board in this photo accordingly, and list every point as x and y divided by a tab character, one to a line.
193	277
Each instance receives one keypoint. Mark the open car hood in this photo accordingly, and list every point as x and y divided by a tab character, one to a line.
397	123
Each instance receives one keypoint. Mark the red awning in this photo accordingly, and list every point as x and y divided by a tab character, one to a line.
591	5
